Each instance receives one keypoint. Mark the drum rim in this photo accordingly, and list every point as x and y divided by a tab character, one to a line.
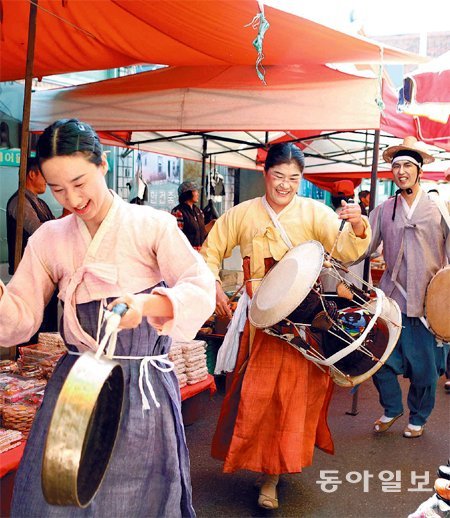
275	318
431	322
351	381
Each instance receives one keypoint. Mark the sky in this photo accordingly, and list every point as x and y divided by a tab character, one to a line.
378	17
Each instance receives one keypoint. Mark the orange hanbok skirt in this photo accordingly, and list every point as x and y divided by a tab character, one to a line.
275	410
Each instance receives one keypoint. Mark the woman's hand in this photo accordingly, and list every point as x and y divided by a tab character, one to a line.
135	312
143	305
222	302
351	212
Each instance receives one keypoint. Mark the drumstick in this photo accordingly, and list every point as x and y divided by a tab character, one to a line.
327	263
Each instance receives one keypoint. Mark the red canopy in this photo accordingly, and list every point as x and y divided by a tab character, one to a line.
74	35
217	98
424	110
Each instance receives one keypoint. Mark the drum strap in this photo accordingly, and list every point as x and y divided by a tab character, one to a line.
274	217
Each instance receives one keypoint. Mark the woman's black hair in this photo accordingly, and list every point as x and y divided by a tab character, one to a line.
284	153
66	137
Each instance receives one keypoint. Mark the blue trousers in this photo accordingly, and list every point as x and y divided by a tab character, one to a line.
417	357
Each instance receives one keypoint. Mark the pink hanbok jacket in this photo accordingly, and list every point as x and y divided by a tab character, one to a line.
135	248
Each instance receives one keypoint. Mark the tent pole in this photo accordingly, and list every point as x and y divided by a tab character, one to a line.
373	177
373	190
202	191
373	193
24	141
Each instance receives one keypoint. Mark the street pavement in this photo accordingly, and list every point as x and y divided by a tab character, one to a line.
362	459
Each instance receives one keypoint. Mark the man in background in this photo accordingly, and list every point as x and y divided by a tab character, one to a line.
189	216
36	212
364	201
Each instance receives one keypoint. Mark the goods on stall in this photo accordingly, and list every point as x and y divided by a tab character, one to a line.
8	366
9	439
20	397
53	341
14	388
39	360
176	356
195	359
208	326
190	361
18	416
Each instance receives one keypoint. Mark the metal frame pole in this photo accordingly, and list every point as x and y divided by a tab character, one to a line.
373	194
204	155
24	142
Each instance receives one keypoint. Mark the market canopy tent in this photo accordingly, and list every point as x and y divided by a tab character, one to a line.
213	36
77	35
172	110
421	108
191	100
335	156
72	36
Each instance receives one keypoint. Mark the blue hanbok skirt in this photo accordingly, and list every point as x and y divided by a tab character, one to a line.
148	474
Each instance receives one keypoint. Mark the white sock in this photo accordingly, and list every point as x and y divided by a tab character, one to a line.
414	427
385	419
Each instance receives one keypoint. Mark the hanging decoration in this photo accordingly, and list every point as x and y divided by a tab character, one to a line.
259	22
379	98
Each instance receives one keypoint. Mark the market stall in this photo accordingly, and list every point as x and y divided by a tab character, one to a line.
212	38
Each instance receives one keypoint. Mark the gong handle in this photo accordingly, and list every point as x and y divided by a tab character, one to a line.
120	309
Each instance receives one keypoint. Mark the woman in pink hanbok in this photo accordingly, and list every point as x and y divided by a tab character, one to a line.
108	251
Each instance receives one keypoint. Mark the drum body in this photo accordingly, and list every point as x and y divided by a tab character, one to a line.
351	343
437	304
82	431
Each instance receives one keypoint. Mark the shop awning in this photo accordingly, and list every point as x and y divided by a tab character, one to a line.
217	98
75	35
172	111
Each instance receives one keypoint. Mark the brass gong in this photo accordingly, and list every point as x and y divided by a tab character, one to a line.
82	431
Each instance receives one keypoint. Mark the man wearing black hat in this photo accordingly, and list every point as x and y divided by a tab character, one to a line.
190	217
416	244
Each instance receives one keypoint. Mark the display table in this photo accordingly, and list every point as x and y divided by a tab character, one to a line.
194	397
9	462
191	390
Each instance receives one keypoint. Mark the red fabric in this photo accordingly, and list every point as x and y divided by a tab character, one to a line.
328	183
76	35
430	88
10	460
192	390
215	98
